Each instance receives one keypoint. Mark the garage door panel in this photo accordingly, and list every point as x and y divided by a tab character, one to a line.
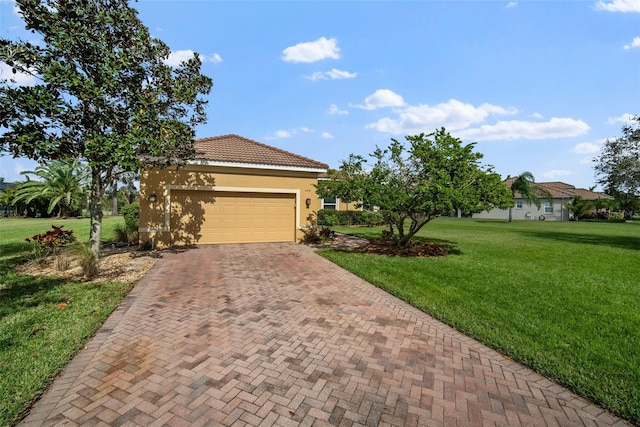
222	217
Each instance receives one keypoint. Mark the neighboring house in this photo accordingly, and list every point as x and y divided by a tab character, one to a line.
334	203
555	210
235	190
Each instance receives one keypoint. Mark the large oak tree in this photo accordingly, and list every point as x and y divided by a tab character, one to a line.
103	93
413	183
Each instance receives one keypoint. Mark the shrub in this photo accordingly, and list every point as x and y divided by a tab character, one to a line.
330	217
86	259
129	233
131	214
49	242
313	234
120	233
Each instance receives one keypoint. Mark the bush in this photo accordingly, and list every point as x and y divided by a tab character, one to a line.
49	242
313	234
330	217
131	214
86	259
129	233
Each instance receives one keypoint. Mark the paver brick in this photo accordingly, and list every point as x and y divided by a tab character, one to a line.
273	334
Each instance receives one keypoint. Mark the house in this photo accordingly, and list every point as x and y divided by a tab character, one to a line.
334	203
235	190
555	209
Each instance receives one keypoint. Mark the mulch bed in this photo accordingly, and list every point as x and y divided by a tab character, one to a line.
384	247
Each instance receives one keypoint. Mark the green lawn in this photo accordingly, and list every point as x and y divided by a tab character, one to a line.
36	338
560	297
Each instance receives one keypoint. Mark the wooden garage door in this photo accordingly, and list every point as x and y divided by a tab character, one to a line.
224	217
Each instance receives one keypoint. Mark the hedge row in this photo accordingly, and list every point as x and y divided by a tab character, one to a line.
329	217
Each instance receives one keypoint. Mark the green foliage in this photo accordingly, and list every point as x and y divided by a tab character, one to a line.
580	207
565	306
618	167
104	94
435	175
131	214
331	217
62	184
347	183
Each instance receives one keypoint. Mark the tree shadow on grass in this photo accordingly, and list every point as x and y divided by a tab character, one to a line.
21	291
11	254
451	247
623	242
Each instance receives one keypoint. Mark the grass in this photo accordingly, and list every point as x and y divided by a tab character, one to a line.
37	335
559	297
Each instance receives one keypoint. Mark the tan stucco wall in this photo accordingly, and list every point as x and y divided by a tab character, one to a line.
154	216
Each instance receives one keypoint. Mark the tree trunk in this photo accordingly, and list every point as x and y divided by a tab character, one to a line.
114	198
95	212
510	215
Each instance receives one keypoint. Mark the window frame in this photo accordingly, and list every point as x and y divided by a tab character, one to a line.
332	206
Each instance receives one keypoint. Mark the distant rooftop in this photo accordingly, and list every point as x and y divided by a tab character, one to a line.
562	189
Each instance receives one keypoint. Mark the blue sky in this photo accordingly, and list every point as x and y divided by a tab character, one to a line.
539	85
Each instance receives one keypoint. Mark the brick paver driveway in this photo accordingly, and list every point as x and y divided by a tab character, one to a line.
273	334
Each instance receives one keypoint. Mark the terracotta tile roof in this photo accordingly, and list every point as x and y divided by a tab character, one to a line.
560	189
237	149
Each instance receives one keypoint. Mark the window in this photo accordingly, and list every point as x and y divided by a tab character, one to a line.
548	207
519	204
329	203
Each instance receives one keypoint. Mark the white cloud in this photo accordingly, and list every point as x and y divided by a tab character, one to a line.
516	129
380	99
334	74
215	58
556	173
334	110
586	148
619	6
326	135
511	4
21	79
452	114
281	134
625	118
634	43
177	57
537	116
312	51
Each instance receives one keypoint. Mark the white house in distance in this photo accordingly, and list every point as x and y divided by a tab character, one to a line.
555	210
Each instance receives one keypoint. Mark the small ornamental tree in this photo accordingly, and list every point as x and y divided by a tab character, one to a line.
432	175
345	183
102	94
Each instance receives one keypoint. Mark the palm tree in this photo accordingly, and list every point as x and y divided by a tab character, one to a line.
524	184
61	183
128	178
580	207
